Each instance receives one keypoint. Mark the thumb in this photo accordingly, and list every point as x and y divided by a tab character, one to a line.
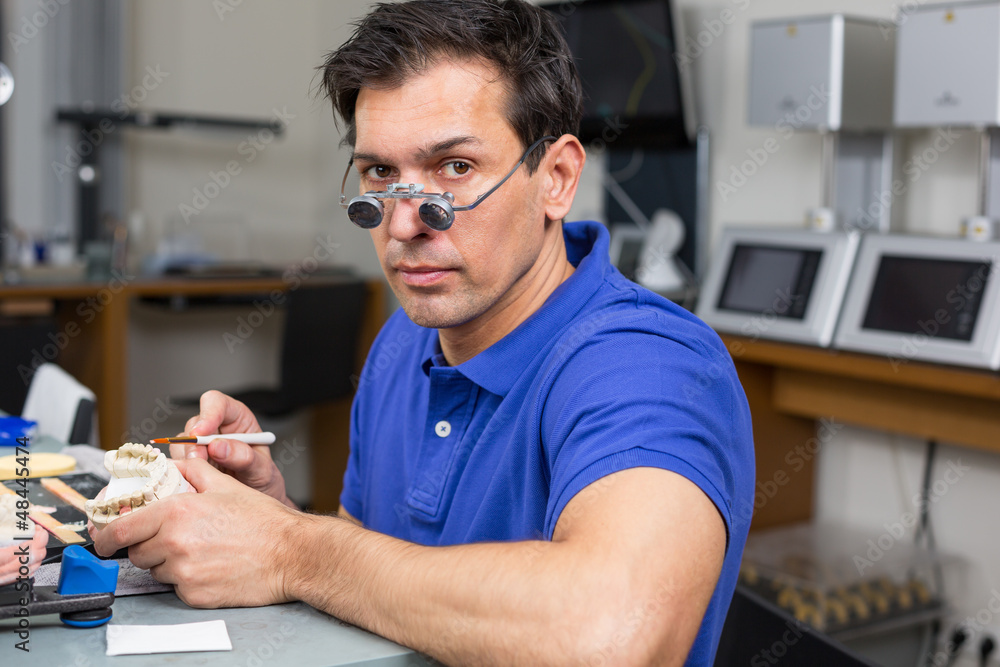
232	454
201	474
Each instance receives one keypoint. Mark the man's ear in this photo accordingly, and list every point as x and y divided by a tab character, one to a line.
563	164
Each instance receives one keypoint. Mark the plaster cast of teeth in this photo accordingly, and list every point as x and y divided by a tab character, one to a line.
9	519
140	474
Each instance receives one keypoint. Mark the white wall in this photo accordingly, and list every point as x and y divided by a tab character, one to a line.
248	62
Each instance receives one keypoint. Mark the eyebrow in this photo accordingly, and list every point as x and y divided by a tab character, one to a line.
424	153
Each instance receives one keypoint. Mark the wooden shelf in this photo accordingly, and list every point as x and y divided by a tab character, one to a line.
935	377
947	403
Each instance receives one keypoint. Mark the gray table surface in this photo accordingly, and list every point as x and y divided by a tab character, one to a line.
288	634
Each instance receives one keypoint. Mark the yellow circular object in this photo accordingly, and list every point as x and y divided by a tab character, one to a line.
43	464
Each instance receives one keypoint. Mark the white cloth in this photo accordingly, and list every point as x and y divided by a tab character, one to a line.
180	638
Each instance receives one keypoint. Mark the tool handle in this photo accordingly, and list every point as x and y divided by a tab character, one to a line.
266	438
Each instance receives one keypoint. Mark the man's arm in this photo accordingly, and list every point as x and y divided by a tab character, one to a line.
344	514
629	573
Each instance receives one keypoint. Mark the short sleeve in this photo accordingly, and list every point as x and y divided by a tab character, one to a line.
632	396
350	496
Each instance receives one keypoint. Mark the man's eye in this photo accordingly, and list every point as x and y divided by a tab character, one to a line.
379	172
454	169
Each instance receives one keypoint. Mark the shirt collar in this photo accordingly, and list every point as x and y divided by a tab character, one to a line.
496	368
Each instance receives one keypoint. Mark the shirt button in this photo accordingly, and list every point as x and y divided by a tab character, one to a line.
443	429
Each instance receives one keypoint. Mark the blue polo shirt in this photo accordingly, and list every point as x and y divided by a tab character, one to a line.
605	376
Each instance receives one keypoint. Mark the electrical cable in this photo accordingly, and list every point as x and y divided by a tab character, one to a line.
924	536
928	642
986	648
923	526
958	637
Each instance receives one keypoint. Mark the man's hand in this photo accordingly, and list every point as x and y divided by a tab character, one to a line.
220	546
250	464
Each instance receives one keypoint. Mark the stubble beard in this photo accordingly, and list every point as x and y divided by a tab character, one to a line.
443	309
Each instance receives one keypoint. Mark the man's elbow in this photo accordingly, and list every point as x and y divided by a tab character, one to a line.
647	631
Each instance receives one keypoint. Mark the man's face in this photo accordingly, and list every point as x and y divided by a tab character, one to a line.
446	129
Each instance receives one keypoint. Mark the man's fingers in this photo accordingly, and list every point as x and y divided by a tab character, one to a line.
232	454
180	452
201	475
128	530
144	557
219	412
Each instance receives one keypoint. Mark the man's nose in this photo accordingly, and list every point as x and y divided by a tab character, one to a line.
404	220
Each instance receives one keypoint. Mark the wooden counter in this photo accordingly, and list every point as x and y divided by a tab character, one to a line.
791	386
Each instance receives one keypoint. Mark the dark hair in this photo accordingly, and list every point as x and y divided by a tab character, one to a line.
522	41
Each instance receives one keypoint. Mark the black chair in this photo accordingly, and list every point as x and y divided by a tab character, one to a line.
318	350
757	632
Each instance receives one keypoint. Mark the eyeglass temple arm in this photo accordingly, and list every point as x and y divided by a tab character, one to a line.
517	166
343	183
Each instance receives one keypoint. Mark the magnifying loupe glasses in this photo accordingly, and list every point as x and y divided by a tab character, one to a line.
437	210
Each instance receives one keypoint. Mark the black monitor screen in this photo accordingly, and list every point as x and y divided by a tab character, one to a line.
937	297
624	51
776	280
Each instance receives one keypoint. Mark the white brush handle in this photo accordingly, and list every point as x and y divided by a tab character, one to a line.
265	438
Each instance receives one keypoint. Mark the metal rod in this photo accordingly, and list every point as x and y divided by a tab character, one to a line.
985	177
626	202
829	167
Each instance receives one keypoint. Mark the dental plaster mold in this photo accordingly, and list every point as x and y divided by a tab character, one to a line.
140	474
9	533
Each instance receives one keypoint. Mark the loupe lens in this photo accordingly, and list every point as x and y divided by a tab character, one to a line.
436	213
365	212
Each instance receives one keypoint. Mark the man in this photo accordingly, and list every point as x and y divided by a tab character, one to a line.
549	464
